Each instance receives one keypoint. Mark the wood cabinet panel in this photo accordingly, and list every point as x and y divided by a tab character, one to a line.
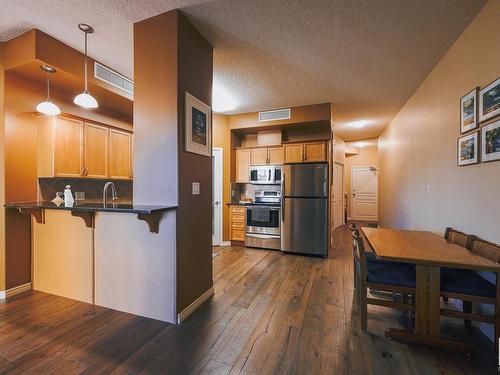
275	155
68	154
237	235
238	221
258	156
120	154
242	165
293	152
315	151
95	151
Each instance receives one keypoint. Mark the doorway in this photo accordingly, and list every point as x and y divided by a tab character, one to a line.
364	193
338	195
217	196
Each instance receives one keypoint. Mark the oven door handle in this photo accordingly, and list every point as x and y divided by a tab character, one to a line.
263	236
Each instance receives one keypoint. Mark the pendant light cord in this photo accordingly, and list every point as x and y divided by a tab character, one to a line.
85	67
48	87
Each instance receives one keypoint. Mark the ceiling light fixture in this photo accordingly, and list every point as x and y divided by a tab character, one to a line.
359	124
84	99
47	107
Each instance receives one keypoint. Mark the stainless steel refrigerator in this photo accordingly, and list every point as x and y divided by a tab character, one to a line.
304	210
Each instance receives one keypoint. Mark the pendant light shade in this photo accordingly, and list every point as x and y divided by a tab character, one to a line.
47	107
84	99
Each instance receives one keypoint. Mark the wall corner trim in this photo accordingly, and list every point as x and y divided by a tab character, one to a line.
4	294
193	306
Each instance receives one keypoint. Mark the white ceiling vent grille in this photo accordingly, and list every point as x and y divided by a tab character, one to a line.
113	78
278	114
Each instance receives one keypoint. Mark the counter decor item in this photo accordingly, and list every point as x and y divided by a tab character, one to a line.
468	111
198	125
467	149
68	197
490	142
489	101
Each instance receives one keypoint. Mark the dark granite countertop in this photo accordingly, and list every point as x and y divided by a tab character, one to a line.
251	204
94	207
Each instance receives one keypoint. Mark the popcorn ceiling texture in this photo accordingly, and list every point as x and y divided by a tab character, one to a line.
366	57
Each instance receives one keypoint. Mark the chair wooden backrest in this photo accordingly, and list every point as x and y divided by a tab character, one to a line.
458	238
485	249
353	227
359	253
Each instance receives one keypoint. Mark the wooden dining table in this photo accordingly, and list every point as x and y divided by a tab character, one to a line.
429	252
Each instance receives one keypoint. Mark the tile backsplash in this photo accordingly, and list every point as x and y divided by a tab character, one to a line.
47	188
240	190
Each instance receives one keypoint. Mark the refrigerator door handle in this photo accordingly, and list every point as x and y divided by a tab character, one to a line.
282	196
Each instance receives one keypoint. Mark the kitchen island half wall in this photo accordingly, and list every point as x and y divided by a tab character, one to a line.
120	256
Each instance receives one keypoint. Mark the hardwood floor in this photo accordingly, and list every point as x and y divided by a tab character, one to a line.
271	314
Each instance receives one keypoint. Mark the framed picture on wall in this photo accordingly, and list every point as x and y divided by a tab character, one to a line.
489	101
490	140
468	149
468	111
198	126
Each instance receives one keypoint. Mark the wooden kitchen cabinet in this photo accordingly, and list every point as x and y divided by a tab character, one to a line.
95	151
238	221
275	155
67	148
266	156
70	147
120	154
258	156
243	165
305	152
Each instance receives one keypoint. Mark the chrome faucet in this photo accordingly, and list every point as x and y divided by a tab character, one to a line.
114	196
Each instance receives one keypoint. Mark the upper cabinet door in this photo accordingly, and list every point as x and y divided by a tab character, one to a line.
120	154
243	165
95	151
293	152
275	155
68	155
258	156
315	151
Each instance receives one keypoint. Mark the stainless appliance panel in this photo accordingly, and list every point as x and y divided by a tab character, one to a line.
305	226
263	241
305	180
264	230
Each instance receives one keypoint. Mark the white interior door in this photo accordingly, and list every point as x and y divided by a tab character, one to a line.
364	193
217	196
338	195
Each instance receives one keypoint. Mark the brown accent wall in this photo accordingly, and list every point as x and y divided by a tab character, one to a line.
171	57
419	146
222	138
2	170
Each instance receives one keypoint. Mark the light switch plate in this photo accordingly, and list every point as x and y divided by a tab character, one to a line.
196	188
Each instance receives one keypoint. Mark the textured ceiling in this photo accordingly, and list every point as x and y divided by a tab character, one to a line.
366	57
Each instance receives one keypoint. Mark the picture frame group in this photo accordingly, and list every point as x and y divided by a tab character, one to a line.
477	108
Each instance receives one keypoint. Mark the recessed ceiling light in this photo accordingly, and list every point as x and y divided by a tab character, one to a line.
222	100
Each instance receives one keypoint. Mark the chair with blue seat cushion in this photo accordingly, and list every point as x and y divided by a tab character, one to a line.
385	277
470	286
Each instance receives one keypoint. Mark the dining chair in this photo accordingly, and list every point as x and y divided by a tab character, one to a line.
461	239
468	285
379	276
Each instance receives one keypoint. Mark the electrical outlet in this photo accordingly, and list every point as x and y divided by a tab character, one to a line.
196	188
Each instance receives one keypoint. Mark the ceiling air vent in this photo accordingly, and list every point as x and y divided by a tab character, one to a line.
278	114
113	78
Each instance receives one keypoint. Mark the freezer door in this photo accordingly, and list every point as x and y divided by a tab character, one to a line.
305	180
304	226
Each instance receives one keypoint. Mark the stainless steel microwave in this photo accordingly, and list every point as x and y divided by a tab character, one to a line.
265	175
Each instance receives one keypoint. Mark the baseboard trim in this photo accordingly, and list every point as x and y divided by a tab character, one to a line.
196	303
225	243
4	294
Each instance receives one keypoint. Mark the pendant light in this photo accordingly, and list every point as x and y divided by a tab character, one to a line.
84	99
47	107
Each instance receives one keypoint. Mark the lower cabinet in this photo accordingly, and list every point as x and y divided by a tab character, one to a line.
238	220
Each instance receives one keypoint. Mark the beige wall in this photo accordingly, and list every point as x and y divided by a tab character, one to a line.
222	138
338	150
367	157
418	148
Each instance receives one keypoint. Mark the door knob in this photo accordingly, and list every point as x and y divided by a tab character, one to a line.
216	203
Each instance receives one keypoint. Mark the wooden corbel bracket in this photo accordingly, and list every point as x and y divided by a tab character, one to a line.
37	213
88	217
152	219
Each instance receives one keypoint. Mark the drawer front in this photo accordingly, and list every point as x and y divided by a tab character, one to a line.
238	225
237	235
238	210
240	218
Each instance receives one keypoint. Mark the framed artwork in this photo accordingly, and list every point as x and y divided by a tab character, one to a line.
490	140
198	126
489	101
468	111
468	149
